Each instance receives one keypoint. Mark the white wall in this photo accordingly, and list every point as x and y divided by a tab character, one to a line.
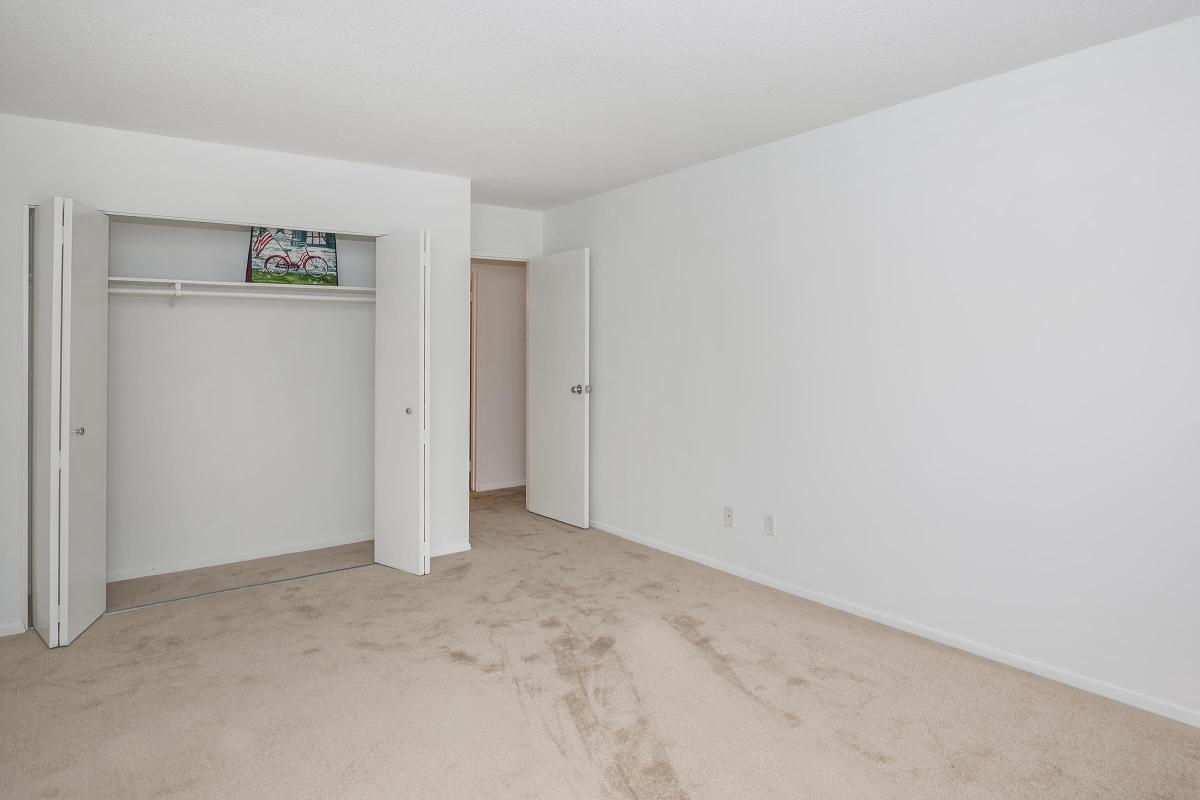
237	428
500	376
501	232
118	170
951	344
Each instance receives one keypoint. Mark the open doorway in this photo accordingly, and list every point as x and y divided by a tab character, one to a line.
530	385
498	353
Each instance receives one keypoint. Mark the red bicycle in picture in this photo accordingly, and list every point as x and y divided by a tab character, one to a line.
281	263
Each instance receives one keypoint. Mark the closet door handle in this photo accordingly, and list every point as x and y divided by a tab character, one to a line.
577	389
408	411
80	431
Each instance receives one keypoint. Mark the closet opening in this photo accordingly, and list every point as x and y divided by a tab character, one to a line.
218	405
240	418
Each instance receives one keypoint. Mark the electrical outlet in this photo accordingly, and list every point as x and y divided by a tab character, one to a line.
728	516
769	525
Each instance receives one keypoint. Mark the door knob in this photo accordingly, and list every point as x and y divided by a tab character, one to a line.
577	389
408	411
80	431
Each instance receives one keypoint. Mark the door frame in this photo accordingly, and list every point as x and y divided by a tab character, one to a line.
477	262
25	386
472	447
473	418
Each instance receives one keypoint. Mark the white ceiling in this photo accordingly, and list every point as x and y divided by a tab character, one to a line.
538	101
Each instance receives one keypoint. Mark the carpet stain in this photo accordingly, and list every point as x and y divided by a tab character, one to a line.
837	674
606	713
600	646
721	664
869	753
462	657
688	627
308	611
376	647
455	573
459	657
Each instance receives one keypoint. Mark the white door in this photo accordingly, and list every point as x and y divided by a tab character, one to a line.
558	389
69	557
401	401
44	419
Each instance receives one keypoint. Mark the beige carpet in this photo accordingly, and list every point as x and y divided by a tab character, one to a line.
551	663
192	582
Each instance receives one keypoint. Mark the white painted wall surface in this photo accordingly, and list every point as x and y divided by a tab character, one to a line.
501	232
952	345
500	376
119	170
238	429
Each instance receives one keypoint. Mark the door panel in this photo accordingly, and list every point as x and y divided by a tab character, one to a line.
401	401
70	419
44	418
83	437
558	387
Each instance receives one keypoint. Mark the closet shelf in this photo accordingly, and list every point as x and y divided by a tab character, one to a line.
175	289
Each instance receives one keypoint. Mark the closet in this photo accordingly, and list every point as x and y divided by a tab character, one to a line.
182	418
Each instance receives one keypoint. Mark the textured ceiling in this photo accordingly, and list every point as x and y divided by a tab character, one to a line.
538	101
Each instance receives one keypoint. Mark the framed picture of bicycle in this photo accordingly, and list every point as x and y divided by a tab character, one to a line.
282	255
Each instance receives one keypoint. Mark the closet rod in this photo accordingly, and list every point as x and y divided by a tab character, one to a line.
171	294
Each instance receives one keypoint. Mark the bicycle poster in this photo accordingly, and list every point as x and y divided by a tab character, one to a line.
283	255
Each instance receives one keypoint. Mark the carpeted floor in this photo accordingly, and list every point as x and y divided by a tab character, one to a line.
189	583
551	663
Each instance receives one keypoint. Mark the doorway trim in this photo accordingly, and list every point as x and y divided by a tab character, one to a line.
473	424
25	387
476	262
472	414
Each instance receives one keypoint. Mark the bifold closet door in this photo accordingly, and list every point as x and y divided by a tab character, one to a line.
401	401
558	391
44	319
70	486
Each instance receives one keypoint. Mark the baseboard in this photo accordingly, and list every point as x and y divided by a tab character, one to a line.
12	628
450	549
492	487
1190	716
231	558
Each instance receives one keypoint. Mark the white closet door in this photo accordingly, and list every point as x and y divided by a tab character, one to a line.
84	435
401	401
558	389
70	420
45	325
